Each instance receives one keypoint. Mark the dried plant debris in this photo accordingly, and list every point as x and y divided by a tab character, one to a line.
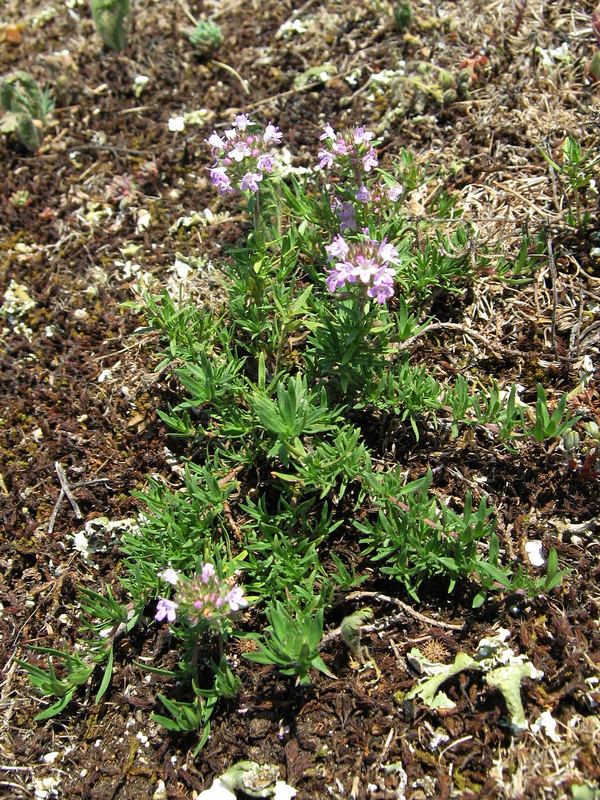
502	669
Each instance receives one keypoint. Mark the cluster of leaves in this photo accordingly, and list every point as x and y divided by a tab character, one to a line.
26	108
287	394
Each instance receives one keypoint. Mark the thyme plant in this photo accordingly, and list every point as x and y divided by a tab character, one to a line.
288	393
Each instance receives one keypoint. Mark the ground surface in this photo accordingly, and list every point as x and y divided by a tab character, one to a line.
78	389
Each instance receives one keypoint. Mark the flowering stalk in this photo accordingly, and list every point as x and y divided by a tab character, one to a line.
352	156
206	599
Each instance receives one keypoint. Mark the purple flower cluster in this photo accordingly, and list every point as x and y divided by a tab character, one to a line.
203	598
242	155
365	262
352	150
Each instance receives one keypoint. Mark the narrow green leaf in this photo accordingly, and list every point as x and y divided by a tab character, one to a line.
56	708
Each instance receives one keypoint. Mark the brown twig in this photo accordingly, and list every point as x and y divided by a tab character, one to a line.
388	622
66	491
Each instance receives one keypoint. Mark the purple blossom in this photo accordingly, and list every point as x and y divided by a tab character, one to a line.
351	152
369	160
347	215
394	192
166	609
338	248
365	268
221	180
206	598
215	141
250	181
340	275
265	163
170	576
363	195
242	155
340	147
242	122
361	135
240	151
327	159
387	252
328	133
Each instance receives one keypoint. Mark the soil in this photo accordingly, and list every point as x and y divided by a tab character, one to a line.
80	389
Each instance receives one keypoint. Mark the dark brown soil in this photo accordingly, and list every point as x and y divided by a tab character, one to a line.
78	390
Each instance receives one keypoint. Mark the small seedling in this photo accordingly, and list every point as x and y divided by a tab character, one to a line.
111	18
26	108
292	643
402	15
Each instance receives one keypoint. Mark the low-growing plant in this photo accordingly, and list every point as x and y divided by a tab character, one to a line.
292	642
290	391
575	170
111	18
206	37
26	108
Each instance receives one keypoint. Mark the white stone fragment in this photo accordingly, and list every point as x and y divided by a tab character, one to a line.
535	553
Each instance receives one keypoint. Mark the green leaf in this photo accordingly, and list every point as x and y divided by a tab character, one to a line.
318	663
166	722
56	708
106	678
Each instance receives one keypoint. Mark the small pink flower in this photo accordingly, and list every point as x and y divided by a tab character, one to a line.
208	572
387	252
265	163
369	160
166	609
328	133
340	147
239	151
338	248
170	576
272	135
394	192
242	122
250	181
341	274
236	599
365	262
326	158
220	179
215	141
361	135
363	195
